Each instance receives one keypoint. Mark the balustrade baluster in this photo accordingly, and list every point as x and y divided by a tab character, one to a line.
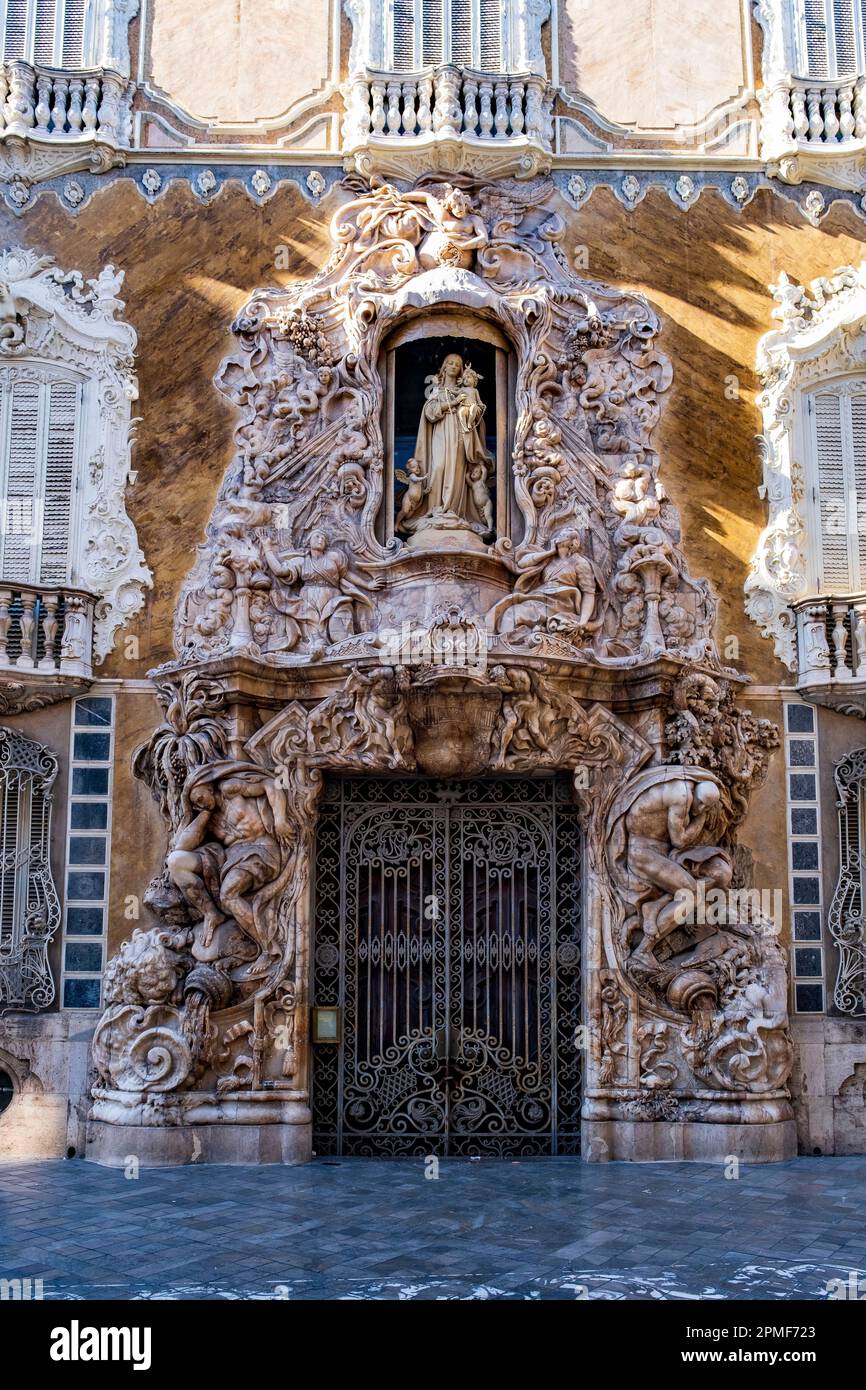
28	629
798	113
858	629
49	605
846	114
378	117
4	92
500	92
410	92
485	116
860	108
425	111
5	620
393	90
840	641
91	101
516	108
58	109
42	113
470	106
831	120
76	97
816	120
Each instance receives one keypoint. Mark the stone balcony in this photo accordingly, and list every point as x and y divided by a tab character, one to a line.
450	119
55	122
813	130
46	645
831	652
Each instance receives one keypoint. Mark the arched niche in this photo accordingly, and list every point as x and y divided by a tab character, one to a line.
410	353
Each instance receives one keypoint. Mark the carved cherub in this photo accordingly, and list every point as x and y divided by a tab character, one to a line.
414	477
480	495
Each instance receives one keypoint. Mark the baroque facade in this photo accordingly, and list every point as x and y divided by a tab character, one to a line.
426	729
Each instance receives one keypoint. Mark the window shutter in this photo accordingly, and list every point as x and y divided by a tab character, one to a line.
432	31
20	519
840	450
844	42
15	37
815	31
404	35
59	481
74	14
491	35
43	32
858	482
461	32
830	451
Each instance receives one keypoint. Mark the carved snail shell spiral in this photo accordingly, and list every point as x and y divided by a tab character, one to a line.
159	1060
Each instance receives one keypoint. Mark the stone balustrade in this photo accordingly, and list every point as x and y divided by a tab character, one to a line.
816	130
831	650
54	122
408	114
46	631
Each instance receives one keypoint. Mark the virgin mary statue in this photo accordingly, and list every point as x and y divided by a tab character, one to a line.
447	477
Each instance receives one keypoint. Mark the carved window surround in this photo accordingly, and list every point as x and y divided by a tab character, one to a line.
29	905
56	120
812	128
846	909
448	116
818	634
54	326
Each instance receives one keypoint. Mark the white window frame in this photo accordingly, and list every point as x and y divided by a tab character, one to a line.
801	50
785	51
447	6
822	340
521	25
56	322
105	39
855	508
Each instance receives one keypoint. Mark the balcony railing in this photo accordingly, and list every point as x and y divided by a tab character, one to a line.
450	116
68	119
45	632
831	651
815	130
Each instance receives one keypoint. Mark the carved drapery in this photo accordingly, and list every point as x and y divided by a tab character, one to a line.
579	642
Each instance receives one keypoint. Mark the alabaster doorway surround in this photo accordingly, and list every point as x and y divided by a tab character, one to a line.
559	633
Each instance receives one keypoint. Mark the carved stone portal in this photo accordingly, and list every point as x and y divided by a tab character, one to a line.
560	630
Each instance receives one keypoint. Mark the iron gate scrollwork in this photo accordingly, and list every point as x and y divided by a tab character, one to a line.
448	931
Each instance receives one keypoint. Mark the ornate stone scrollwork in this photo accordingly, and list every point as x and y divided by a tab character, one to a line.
558	630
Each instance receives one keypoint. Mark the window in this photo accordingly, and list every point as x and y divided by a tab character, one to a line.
425	33
66	393
40	412
29	908
88	848
845	918
51	33
837	413
804	857
829	38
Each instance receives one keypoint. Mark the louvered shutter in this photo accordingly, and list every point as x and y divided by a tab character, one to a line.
404	35
40	427
15	37
72	34
815	33
58	481
20	511
44	32
491	36
461	33
844	42
858	482
840	449
431	31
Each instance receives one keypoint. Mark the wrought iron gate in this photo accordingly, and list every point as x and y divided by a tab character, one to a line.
448	933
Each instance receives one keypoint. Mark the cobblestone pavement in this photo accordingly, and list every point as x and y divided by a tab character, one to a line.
358	1229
